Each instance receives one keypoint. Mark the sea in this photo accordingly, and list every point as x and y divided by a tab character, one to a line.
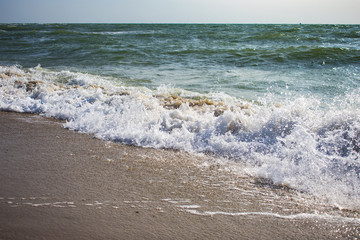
281	101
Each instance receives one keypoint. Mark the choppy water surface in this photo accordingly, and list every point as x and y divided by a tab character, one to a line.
282	100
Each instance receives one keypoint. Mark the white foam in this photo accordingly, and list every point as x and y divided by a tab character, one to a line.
276	215
304	143
190	206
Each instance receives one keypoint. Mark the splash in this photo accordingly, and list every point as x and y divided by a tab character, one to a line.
302	143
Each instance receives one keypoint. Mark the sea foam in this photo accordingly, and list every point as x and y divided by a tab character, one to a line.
302	143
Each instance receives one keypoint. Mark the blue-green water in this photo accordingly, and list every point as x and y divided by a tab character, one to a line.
281	100
244	61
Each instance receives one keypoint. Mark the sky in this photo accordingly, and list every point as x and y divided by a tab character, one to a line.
180	11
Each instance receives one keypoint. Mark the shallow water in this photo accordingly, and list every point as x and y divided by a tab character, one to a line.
281	100
126	184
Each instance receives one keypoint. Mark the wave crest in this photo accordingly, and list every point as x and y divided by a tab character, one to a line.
299	143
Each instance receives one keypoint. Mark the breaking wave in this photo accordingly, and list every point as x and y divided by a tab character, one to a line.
303	143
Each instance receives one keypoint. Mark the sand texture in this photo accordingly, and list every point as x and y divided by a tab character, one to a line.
60	184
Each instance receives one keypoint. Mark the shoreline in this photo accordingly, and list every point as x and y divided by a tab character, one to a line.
61	184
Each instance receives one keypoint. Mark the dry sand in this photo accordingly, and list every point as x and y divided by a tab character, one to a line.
59	184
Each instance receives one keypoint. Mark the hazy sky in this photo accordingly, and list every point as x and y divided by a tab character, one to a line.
180	11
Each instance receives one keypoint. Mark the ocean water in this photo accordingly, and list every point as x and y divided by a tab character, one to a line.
282	101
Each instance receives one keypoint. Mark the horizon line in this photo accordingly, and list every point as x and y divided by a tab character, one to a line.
213	23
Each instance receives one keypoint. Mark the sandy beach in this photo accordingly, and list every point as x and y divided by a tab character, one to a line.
60	184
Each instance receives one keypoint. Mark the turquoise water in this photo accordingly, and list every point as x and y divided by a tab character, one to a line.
283	101
244	61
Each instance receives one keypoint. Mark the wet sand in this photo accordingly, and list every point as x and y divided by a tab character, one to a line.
59	184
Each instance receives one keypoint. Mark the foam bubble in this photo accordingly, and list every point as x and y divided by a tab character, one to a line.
304	143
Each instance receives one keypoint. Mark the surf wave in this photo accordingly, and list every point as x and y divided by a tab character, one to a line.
302	143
